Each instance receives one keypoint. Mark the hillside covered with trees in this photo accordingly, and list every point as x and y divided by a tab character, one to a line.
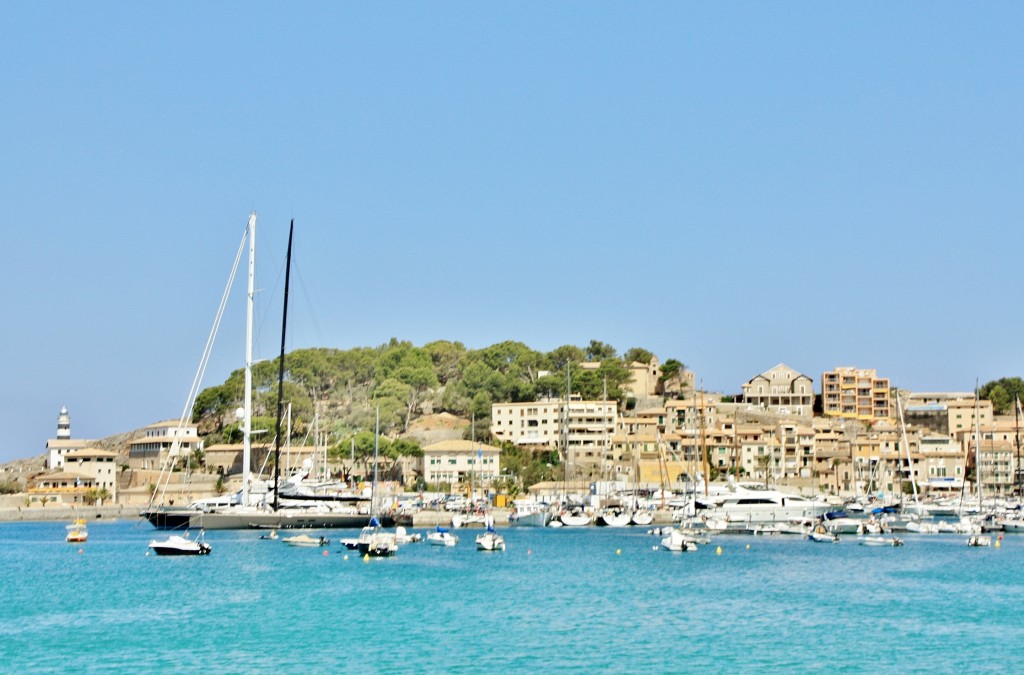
343	389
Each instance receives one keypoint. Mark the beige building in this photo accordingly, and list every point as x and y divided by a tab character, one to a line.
84	471
781	390
941	465
948	413
643	381
854	393
99	465
459	462
226	458
582	430
162	442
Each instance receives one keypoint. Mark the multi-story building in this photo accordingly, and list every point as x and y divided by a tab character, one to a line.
942	468
781	390
162	442
947	413
855	394
99	465
460	462
582	430
84	471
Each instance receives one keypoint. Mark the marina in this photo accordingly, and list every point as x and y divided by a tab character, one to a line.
581	599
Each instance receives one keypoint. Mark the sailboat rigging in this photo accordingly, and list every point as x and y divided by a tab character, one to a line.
292	505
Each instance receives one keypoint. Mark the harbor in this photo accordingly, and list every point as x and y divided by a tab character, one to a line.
581	599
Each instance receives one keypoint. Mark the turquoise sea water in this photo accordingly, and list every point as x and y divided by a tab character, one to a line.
589	600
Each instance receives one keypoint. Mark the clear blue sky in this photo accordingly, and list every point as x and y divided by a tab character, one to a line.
733	185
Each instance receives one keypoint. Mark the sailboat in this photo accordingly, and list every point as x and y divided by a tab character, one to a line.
441	536
272	505
490	540
373	540
572	514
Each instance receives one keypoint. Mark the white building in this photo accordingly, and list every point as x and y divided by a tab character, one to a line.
459	462
163	441
582	430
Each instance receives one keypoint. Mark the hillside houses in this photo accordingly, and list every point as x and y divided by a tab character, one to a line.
779	431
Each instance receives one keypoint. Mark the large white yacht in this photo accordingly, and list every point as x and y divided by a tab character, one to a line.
743	504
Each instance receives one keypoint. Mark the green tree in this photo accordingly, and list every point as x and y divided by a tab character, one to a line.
600	351
1002	392
566	356
93	495
411	366
447	358
671	378
1001	399
638	355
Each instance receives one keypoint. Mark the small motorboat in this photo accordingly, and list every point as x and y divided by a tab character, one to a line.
77	532
178	545
374	542
678	542
821	535
979	540
306	540
402	536
881	541
442	537
378	545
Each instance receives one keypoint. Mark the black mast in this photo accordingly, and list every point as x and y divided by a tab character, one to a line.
280	373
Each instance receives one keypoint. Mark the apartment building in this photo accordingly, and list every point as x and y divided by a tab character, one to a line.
947	413
582	431
854	393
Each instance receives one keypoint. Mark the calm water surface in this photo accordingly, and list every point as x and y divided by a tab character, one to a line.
593	600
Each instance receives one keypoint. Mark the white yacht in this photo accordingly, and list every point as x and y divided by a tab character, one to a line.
743	504
178	545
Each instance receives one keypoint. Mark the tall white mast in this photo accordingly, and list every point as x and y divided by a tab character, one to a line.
906	447
977	443
247	404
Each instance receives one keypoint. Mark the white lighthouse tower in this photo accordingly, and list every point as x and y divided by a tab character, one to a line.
57	447
63	424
